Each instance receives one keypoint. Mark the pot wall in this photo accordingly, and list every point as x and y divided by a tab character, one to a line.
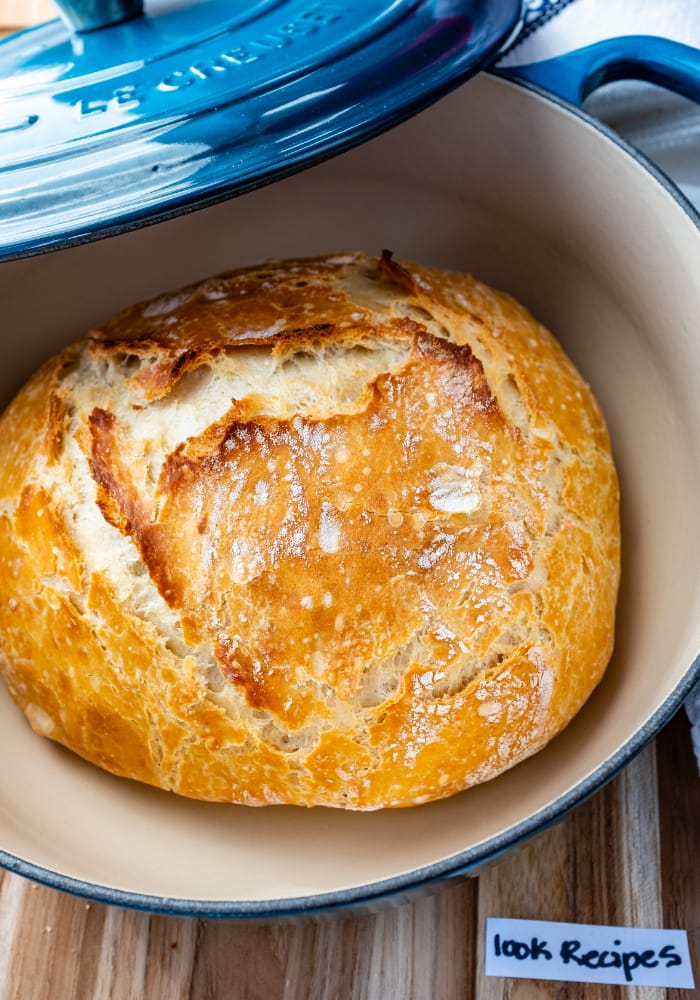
533	199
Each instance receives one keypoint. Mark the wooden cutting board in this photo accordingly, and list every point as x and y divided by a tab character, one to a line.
628	856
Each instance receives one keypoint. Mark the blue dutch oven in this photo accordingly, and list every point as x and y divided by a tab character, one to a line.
364	117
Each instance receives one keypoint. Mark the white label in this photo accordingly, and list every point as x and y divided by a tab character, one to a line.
587	953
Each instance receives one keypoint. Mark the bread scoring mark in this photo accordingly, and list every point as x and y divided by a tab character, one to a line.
239	317
161	366
155	381
461	373
55	430
297	337
116	497
124	507
395	273
240	667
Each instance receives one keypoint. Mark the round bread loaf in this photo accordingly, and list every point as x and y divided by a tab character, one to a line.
335	532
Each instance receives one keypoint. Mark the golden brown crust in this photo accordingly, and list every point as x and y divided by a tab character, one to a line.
339	531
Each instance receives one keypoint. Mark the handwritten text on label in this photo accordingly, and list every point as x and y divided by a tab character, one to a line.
587	953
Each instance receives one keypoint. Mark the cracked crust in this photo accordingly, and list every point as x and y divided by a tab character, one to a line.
338	531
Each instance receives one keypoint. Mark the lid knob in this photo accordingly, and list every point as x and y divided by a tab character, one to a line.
89	15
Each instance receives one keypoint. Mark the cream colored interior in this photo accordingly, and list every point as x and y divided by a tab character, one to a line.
492	180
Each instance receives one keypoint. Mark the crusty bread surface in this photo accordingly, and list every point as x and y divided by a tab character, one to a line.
337	531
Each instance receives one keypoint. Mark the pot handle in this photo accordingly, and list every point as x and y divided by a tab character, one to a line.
575	75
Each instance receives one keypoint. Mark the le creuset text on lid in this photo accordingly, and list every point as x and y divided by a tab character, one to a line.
116	116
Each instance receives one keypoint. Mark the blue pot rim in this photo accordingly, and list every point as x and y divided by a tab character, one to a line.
457	865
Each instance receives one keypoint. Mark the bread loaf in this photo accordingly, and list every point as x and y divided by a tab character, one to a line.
337	532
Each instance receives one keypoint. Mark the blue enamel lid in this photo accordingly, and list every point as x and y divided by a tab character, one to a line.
114	117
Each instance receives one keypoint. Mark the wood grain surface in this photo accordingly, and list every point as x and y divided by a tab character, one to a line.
628	856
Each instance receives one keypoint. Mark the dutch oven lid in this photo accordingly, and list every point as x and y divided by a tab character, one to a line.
114	117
